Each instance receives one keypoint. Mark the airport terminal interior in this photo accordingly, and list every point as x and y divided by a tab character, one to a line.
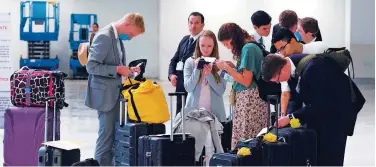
48	35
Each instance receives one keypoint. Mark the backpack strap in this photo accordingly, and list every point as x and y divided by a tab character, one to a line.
302	63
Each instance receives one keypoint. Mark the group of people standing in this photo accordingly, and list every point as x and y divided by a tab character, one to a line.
320	98
302	97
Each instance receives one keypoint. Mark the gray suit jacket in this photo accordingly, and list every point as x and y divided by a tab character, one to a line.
191	76
104	83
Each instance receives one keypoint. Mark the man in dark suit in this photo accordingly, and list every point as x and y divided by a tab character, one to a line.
326	92
185	50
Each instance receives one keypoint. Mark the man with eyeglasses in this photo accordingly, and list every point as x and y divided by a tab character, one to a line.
286	44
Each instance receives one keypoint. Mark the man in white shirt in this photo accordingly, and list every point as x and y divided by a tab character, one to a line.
261	23
287	45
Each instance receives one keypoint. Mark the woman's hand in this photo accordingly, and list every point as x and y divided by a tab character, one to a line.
196	62
222	65
207	69
232	65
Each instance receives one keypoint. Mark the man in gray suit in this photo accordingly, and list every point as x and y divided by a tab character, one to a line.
106	67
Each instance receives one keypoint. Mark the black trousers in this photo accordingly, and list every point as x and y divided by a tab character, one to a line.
180	88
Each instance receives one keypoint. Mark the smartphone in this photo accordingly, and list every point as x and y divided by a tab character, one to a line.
201	63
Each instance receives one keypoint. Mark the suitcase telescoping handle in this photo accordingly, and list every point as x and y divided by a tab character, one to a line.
231	116
47	100
123	112
273	98
177	94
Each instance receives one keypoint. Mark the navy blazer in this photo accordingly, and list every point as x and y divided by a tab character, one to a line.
180	55
325	90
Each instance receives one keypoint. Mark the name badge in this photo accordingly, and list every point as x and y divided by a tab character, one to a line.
179	66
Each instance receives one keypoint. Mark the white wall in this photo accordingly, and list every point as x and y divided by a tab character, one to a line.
362	37
340	22
174	14
144	46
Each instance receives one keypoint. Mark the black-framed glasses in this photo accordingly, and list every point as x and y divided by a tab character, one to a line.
284	46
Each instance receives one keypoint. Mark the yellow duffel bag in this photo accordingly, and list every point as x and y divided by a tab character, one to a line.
146	101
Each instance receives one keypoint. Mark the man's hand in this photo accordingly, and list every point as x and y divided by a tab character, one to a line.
136	70
123	71
283	121
173	79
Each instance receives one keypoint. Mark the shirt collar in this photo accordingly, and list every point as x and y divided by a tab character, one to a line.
196	36
257	36
115	31
313	40
293	68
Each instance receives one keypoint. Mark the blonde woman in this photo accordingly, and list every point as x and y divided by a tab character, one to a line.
205	87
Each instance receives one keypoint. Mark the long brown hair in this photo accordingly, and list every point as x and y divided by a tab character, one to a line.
215	53
239	37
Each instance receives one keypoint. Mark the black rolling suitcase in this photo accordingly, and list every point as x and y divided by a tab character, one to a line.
52	156
232	159
168	150
262	153
126	137
275	153
302	142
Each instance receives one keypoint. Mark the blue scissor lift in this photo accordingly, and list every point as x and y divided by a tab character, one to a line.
79	32
45	16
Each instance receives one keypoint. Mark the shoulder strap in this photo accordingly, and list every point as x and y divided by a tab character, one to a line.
262	47
302	63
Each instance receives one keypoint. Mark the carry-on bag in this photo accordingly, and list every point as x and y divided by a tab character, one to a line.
147	102
277	153
52	156
264	152
29	88
303	145
24	132
127	134
168	150
302	142
231	159
87	162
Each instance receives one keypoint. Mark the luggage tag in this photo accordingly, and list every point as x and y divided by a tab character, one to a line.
297	86
179	66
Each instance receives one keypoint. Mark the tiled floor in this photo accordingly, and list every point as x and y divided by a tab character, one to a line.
80	124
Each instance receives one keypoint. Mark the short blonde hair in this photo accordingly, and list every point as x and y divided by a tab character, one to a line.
137	20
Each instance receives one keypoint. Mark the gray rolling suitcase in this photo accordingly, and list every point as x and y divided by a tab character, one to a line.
51	156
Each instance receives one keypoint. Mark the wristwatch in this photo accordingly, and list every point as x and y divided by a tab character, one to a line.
291	116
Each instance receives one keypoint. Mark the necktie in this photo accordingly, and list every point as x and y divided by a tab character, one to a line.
261	41
190	41
188	46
